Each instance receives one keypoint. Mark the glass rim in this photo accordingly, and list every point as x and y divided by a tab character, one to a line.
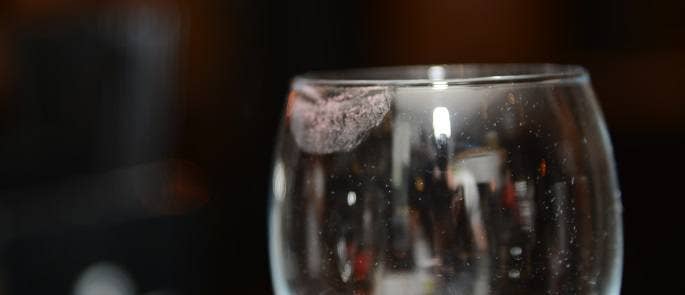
445	74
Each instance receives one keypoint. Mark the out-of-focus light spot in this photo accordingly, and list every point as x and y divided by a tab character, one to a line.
543	168
515	251
514	273
346	272
351	198
441	122
279	181
104	278
418	184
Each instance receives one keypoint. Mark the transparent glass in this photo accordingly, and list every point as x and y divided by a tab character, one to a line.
455	179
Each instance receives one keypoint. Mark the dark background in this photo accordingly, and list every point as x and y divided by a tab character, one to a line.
91	87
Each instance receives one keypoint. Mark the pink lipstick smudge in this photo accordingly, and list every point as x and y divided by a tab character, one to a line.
326	119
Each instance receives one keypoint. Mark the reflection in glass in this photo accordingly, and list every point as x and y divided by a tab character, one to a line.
445	180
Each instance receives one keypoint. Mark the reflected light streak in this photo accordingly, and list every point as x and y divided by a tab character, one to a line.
441	122
279	181
472	204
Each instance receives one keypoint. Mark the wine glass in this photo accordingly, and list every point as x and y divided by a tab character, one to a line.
446	179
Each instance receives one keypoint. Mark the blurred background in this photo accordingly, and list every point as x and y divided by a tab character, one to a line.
136	136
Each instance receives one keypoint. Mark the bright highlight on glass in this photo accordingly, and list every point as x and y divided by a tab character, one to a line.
351	198
441	122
